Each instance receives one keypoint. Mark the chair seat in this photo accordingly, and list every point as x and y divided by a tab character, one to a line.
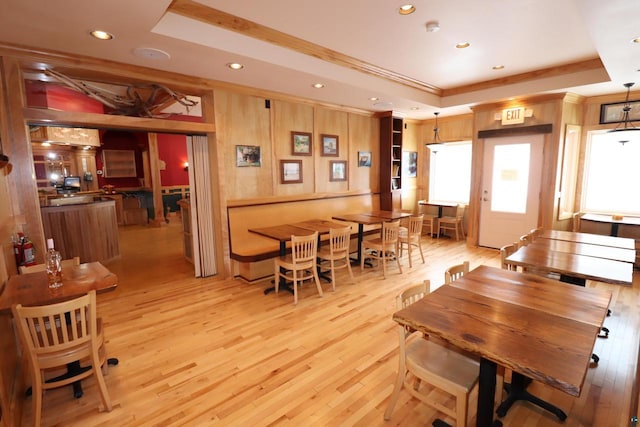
425	358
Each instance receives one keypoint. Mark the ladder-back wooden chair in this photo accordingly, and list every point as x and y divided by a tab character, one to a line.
505	251
300	264
411	236
456	271
384	248
455	223
425	364
56	335
337	252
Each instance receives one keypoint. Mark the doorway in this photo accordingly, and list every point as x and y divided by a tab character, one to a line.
511	177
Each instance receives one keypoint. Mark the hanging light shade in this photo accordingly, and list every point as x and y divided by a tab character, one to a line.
436	133
626	124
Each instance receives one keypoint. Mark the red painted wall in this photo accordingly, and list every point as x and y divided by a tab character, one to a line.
60	98
172	149
122	140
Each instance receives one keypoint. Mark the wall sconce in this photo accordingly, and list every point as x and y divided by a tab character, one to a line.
186	166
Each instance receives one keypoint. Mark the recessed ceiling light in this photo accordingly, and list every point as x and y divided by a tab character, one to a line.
636	40
497	67
318	85
373	98
102	35
463	45
415	108
235	66
406	9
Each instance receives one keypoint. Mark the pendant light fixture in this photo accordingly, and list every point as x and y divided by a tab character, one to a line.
436	133
626	124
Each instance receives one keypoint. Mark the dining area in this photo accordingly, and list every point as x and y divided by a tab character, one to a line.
207	352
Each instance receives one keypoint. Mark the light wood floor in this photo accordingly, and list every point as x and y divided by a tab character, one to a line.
210	352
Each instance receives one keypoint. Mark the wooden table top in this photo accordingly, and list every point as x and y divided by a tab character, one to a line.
594	239
581	266
320	225
539	293
443	204
598	251
33	288
388	215
629	220
533	335
359	218
282	233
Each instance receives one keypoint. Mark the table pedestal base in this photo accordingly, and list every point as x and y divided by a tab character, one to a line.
517	390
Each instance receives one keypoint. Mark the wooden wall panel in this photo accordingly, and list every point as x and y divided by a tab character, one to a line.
364	135
411	143
288	117
330	122
244	120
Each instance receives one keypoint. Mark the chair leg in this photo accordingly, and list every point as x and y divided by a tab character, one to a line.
420	248
276	277
348	261
102	386
295	287
409	251
36	396
461	409
317	279
396	392
333	275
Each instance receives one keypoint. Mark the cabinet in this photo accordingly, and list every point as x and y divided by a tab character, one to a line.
391	162
119	163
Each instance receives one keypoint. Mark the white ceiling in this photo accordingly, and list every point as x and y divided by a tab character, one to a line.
524	35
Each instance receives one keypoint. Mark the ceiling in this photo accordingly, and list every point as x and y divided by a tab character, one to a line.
359	49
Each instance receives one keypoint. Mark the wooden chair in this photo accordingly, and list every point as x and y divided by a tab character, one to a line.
411	236
385	247
300	264
430	223
337	252
524	240
455	272
534	233
66	263
422	360
505	251
56	335
454	223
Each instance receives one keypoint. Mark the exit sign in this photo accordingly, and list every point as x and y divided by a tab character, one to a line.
513	116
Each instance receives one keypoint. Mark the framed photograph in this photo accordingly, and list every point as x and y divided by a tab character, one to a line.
364	159
612	113
247	155
329	145
290	171
410	163
300	143
338	170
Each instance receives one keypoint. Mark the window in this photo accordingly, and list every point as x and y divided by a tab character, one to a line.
450	172
611	173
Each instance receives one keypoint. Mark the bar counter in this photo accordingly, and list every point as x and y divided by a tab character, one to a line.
88	230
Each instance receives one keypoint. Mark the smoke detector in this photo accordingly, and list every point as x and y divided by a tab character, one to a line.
433	26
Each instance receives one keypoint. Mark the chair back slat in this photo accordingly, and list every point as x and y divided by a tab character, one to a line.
339	239
455	272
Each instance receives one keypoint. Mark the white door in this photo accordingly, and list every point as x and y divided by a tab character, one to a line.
510	199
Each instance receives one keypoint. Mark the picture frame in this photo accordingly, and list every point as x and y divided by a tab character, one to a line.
301	143
337	170
290	171
364	159
612	113
248	155
410	163
330	145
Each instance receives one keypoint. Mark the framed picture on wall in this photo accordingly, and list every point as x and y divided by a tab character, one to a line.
290	171
247	155
364	159
410	163
338	170
300	143
613	113
329	145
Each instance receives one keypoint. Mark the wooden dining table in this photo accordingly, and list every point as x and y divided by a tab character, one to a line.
539	328
588	249
593	239
32	289
369	218
573	267
282	233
